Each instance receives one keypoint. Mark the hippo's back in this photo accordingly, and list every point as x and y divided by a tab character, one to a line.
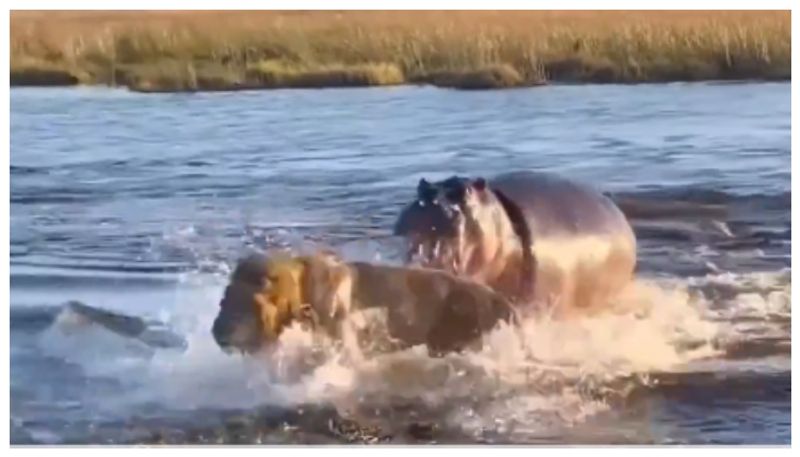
583	246
554	206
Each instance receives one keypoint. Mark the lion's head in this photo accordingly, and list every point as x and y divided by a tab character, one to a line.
265	295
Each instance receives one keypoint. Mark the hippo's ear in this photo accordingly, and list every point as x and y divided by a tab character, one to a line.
477	185
425	190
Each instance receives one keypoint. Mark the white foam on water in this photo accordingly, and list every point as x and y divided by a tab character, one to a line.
549	370
98	350
758	294
749	304
532	379
554	371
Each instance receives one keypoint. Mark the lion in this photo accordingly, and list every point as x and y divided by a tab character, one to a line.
266	294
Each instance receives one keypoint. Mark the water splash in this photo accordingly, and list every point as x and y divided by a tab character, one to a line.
526	380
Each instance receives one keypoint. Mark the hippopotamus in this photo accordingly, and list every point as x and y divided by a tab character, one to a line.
541	239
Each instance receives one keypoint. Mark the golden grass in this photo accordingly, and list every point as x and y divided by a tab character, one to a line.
213	50
275	73
179	76
496	76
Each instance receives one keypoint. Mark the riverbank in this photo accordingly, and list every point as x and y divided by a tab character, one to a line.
166	51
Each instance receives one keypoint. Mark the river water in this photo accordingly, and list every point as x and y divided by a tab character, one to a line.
141	204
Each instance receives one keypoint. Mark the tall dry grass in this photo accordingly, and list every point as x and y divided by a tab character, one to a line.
191	50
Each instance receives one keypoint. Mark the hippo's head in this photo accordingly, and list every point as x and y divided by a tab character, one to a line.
446	223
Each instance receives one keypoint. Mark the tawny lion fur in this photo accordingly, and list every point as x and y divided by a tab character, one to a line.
424	306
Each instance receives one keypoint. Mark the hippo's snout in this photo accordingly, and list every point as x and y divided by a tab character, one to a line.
425	219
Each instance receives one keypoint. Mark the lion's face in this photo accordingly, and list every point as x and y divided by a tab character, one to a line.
263	297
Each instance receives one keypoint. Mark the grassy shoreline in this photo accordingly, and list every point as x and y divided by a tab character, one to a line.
167	51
